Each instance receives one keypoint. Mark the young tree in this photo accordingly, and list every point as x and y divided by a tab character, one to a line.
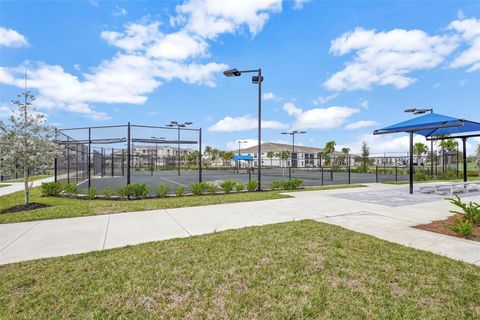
328	150
27	142
365	155
345	153
419	149
271	154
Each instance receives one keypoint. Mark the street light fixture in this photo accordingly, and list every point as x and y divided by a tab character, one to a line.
293	133
258	79
422	111
176	124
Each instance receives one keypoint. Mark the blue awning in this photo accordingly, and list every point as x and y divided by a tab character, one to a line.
242	158
432	124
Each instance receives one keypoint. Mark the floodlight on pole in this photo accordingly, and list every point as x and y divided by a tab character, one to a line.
258	79
293	133
176	124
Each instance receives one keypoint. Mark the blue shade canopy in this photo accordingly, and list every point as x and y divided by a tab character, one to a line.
244	158
433	124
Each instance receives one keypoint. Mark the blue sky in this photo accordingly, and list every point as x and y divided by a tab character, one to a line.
335	69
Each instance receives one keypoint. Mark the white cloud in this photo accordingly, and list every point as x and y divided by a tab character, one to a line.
298	4
360	124
119	11
386	58
319	118
364	103
231	124
463	82
322	100
269	96
210	18
12	39
380	144
233	145
469	30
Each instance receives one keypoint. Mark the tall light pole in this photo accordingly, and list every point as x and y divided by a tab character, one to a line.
293	133
258	79
156	149
176	124
422	111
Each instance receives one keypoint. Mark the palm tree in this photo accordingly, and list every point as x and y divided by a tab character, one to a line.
283	155
270	155
419	149
345	152
448	145
328	150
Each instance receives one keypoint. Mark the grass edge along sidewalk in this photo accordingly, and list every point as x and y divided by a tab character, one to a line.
30	179
63	207
293	270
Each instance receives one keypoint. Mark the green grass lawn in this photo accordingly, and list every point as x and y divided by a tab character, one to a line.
296	270
4	185
31	179
67	207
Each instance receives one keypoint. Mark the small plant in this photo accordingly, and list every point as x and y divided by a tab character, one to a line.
180	191
470	211
227	186
463	226
139	190
51	189
295	183
124	191
421	176
239	187
71	189
252	185
210	187
197	188
91	193
108	192
163	190
277	184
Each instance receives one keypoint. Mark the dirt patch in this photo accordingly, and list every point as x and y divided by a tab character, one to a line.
23	207
444	227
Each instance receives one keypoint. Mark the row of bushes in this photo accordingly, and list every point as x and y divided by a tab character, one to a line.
226	186
291	184
466	219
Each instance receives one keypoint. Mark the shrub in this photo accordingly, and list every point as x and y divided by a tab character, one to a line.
470	211
277	184
139	190
108	192
198	188
252	185
295	183
163	190
91	193
227	186
463	226
51	189
421	176
447	175
180	191
239	187
71	189
124	191
210	187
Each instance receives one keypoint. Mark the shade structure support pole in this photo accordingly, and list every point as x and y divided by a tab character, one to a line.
464	149
431	158
411	163
259	188
200	155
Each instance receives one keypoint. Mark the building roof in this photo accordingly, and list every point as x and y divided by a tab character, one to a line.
278	147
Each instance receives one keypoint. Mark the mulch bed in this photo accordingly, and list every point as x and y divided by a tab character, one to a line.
23	207
443	227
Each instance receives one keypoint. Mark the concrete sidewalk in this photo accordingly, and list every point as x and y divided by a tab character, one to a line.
50	238
18	186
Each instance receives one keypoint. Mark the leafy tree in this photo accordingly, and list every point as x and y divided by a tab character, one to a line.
345	153
365	155
27	142
270	155
448	145
419	149
283	155
328	150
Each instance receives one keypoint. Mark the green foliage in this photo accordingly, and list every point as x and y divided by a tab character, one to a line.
124	191
210	187
71	189
139	190
463	226
447	175
108	192
163	190
227	186
291	184
51	189
276	184
252	185
91	193
180	191
239	186
470	211
198	188
421	176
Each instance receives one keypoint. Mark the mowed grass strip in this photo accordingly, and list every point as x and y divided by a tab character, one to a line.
296	270
30	179
4	185
67	207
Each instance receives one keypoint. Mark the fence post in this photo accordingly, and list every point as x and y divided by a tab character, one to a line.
376	173
331	174
396	173
322	174
89	156
68	160
349	171
200	155
113	160
128	154
54	161
289	173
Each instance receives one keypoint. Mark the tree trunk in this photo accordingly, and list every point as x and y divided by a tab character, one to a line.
27	191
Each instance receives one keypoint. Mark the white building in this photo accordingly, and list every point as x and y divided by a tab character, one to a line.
165	155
